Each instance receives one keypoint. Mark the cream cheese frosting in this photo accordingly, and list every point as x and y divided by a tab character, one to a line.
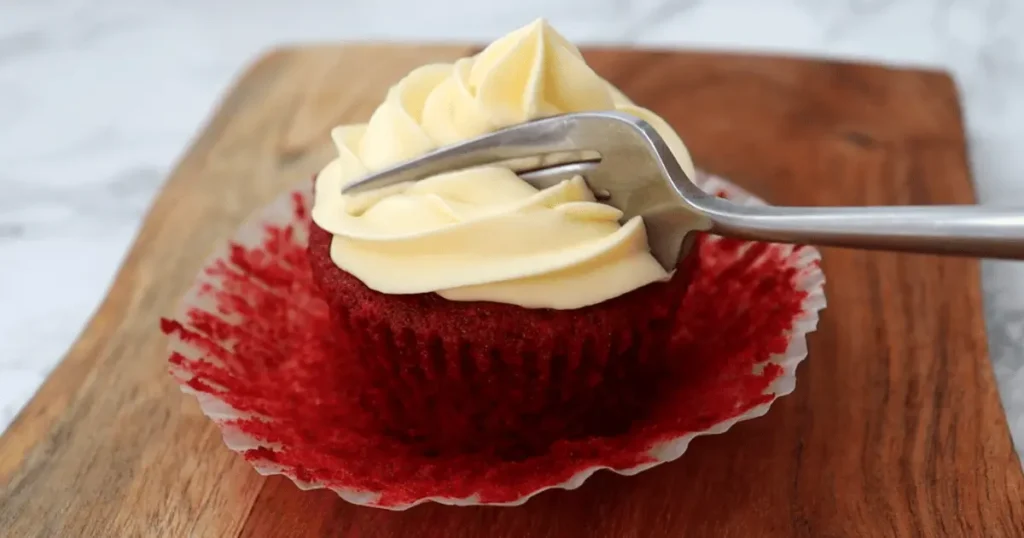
484	234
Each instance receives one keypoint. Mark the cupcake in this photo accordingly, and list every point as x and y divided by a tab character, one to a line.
480	313
467	339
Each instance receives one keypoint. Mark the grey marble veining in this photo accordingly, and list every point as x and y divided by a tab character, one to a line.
99	97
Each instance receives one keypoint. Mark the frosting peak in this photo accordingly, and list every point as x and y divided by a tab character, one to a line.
483	233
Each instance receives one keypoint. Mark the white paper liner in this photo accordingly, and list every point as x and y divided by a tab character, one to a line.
809	279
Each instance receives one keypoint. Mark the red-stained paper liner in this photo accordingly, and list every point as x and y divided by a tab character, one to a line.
251	342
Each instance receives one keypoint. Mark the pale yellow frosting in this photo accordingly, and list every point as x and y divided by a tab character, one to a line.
483	234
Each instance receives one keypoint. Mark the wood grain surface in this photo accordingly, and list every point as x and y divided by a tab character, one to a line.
895	428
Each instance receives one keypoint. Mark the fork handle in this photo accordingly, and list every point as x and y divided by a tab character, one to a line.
966	230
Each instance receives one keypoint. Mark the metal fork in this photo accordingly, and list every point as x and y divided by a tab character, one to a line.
628	165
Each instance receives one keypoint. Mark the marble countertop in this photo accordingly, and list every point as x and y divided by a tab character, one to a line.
98	98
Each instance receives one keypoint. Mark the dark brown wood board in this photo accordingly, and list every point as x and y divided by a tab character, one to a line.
895	428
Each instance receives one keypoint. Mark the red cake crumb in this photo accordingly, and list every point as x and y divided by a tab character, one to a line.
277	362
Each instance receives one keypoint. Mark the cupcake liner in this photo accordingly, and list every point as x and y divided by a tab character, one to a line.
456	377
252	340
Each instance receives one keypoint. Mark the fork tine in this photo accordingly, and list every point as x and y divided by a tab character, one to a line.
580	132
517	142
548	177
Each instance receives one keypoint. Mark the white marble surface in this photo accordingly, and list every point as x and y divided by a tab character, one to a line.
98	98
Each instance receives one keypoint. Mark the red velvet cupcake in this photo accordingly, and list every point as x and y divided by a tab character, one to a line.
487	315
469	339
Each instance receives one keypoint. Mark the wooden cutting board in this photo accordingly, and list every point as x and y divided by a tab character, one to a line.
895	428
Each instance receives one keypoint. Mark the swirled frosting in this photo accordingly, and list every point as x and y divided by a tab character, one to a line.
483	234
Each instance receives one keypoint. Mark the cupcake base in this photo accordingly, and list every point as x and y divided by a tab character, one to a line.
456	377
253	342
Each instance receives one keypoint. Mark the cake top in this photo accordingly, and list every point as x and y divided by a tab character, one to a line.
484	234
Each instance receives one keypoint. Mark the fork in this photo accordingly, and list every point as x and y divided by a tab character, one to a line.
628	165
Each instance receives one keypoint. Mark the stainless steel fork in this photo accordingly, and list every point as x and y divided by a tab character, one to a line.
628	165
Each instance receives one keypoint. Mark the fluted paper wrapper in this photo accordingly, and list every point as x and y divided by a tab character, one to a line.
251	342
